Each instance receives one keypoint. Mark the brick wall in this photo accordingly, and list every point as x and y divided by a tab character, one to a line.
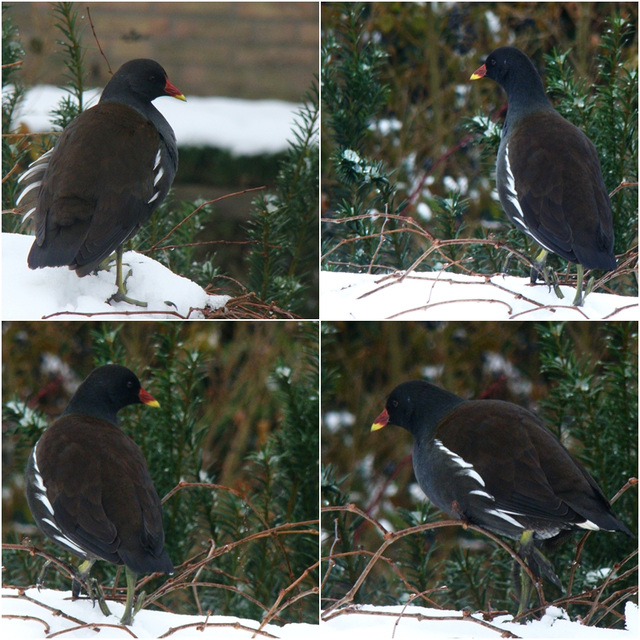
237	49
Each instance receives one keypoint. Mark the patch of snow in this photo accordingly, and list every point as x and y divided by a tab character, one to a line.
148	623
441	295
493	22
35	294
387	125
351	155
417	623
424	211
336	420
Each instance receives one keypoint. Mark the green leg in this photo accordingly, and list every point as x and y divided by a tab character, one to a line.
42	574
525	592
578	300
539	267
121	294
526	543
539	565
127	616
548	275
90	585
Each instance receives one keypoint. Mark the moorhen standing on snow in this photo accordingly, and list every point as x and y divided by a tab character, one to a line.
88	486
548	172
109	171
496	465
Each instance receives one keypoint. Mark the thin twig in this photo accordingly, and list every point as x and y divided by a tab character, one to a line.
204	204
95	37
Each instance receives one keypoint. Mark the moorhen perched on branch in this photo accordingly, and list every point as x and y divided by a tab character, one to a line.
496	465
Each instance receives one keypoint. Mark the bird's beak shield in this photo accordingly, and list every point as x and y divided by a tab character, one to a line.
148	399
480	72
173	91
381	421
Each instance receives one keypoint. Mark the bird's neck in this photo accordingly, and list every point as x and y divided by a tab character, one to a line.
95	409
527	98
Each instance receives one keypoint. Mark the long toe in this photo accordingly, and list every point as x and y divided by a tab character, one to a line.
121	296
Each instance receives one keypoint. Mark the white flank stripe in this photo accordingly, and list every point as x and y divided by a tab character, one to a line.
467	467
483	494
501	514
42	490
34	169
36	165
31	187
62	538
158	176
70	544
157	160
45	501
521	225
512	194
26	215
587	524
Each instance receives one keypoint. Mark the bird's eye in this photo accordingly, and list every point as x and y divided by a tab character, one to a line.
394	404
493	62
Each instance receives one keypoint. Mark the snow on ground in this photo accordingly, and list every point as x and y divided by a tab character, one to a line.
243	127
445	296
373	625
33	295
147	623
23	619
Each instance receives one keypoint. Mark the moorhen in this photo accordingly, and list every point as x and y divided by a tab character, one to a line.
548	173
496	465
88	486
109	171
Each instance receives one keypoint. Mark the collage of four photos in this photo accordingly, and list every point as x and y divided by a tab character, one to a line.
320	318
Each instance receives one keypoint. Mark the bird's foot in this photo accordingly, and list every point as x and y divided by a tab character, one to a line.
127	619
121	296
578	301
99	596
550	278
139	602
93	590
42	575
107	263
129	609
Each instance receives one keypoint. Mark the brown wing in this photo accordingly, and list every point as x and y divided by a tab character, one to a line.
102	495
560	190
524	467
97	187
